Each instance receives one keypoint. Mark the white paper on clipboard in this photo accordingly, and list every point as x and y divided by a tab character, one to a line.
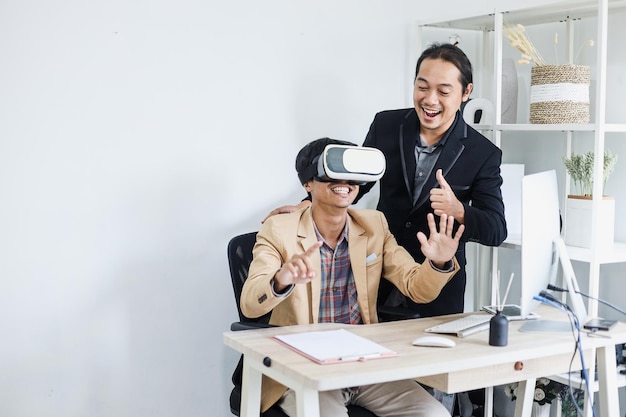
334	346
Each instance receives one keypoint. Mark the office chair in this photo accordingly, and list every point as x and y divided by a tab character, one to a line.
239	259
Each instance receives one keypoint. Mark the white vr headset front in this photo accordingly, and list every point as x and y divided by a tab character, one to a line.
346	163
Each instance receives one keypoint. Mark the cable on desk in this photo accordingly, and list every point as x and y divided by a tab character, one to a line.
606	303
546	298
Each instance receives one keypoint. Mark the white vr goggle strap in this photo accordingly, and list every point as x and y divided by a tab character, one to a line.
356	164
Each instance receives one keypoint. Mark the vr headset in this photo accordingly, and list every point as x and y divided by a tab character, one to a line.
355	164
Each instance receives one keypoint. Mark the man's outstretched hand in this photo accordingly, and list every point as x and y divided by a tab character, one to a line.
297	270
440	246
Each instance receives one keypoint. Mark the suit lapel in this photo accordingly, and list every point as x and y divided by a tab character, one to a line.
407	137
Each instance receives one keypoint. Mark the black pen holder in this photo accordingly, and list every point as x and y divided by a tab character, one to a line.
499	330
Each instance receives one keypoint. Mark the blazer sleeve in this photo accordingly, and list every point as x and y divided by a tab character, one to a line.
420	282
257	297
485	222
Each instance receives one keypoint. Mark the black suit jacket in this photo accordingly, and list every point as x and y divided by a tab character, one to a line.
470	164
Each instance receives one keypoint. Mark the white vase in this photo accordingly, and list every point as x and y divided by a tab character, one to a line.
509	91
578	222
478	111
540	410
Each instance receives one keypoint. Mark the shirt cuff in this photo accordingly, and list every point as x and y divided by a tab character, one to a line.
448	267
282	294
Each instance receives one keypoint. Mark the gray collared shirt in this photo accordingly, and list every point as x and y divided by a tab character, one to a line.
425	159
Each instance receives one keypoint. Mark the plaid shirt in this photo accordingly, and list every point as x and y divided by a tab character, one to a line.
338	298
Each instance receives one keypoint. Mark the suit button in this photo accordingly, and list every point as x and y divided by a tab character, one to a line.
408	225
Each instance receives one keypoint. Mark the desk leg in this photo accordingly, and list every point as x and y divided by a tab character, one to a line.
307	402
589	397
488	410
525	394
607	379
250	390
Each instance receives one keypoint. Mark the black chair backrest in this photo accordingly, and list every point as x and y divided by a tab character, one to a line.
239	259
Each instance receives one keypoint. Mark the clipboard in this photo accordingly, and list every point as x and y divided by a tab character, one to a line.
334	346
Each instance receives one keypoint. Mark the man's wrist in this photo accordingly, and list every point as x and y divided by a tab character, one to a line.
445	267
283	291
460	218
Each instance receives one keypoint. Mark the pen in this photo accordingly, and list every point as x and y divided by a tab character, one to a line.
361	357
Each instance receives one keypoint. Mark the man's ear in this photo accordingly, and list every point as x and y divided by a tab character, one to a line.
467	92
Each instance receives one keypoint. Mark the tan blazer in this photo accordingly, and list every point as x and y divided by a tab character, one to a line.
374	253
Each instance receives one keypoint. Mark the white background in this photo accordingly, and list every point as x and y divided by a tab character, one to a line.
136	138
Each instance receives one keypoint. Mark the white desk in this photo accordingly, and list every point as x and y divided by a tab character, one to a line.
472	364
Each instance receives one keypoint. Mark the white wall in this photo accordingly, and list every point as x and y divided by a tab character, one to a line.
135	139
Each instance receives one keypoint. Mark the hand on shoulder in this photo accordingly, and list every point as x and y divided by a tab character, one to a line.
287	209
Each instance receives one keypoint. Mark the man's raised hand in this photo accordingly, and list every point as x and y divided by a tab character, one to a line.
299	269
441	245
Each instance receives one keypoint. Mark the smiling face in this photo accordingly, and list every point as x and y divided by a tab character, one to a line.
437	95
333	195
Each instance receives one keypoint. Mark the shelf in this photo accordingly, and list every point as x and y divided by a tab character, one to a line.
557	12
575	379
569	127
512	242
615	127
616	254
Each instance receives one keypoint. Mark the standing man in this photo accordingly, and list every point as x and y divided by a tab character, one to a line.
438	164
324	263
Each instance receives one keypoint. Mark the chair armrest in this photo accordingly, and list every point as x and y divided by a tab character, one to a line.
240	325
387	313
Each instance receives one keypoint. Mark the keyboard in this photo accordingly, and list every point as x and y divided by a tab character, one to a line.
463	326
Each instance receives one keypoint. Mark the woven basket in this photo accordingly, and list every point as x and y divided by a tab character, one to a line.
559	94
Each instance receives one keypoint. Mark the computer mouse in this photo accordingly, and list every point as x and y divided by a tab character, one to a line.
434	341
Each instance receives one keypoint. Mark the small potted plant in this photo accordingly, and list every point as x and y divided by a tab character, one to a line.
546	391
578	206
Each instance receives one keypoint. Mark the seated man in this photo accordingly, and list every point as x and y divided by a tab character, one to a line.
324	263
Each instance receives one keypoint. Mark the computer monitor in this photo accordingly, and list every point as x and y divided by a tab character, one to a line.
543	249
540	228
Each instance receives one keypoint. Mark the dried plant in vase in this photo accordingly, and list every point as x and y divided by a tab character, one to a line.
516	34
519	39
559	93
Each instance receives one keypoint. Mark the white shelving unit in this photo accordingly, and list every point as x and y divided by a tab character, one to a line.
490	66
491	27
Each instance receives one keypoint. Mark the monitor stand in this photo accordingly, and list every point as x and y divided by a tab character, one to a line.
577	303
546	326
